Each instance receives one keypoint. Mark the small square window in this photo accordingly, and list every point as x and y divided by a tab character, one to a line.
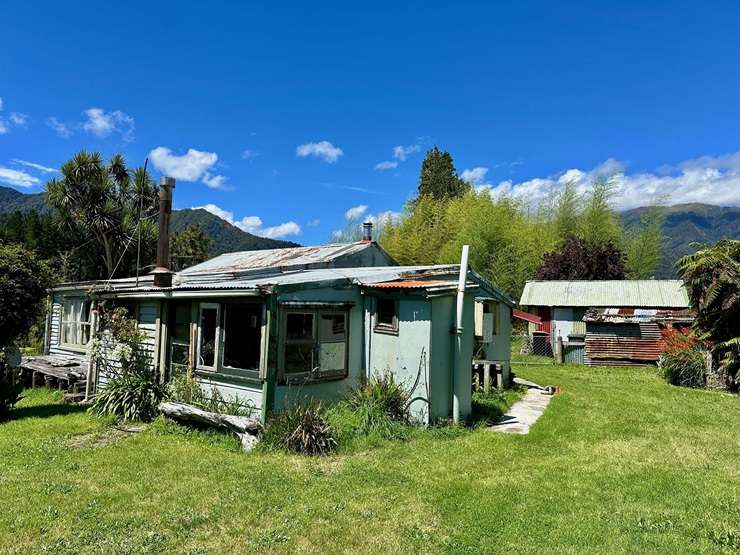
386	315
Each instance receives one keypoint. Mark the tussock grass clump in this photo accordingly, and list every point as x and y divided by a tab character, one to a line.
301	428
684	367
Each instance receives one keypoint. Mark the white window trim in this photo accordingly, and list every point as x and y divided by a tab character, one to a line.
217	338
222	342
80	347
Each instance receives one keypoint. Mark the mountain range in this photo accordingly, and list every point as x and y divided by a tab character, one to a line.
687	226
226	237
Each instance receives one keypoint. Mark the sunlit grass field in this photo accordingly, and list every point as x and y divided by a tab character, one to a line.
619	463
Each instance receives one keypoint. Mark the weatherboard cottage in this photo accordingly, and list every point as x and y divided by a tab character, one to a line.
266	328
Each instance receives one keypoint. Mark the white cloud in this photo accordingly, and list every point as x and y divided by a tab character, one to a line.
1	103
61	129
250	154
355	212
402	152
323	149
314	222
253	224
191	166
101	123
4	127
17	178
709	179
475	176
39	167
386	165
382	218
214	181
19	119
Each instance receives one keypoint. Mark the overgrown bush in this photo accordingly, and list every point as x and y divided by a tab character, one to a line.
10	388
301	428
684	367
132	391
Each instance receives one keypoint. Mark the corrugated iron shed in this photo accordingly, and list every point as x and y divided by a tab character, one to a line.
607	293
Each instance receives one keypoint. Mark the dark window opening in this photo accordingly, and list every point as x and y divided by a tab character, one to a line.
242	336
315	344
386	316
207	345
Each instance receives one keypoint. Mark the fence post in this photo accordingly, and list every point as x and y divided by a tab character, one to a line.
559	349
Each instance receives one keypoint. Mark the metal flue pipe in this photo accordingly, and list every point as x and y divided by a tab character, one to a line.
457	362
162	273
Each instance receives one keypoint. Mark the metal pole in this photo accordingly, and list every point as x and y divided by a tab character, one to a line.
457	363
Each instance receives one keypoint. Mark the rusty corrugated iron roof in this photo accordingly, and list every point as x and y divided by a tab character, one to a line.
413	284
526	316
646	293
637	315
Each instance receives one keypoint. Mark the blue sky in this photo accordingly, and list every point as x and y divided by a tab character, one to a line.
282	117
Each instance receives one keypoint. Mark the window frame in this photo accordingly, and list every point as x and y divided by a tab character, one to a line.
222	342
216	340
79	324
315	375
390	329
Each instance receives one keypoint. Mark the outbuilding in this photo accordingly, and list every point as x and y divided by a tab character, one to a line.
612	322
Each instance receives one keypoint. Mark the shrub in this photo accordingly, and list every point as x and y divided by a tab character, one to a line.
10	388
132	391
129	396
301	428
684	367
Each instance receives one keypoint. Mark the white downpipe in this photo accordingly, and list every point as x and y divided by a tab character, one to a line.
459	334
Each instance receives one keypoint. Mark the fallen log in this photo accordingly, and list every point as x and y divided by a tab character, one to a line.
245	428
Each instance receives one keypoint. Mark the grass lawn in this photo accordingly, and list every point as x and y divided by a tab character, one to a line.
619	463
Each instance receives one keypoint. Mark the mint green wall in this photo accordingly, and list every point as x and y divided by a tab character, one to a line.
443	352
406	354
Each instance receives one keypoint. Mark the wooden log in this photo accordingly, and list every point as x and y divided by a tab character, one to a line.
188	413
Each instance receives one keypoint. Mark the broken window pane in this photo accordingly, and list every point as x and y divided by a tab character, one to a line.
207	347
298	357
299	325
243	335
331	327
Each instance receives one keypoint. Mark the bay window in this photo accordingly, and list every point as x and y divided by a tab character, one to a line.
314	345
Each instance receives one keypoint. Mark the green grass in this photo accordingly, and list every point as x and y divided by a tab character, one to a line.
619	463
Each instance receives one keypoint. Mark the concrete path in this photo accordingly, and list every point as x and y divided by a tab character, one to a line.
523	414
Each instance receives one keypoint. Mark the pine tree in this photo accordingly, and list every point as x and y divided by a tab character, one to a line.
438	178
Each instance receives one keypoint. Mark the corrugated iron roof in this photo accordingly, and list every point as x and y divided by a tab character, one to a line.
277	258
526	316
413	284
637	315
608	293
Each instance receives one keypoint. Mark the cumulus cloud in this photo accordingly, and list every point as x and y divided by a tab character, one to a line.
101	123
475	176
355	212
60	128
250	154
4	127
35	166
192	166
214	181
402	152
323	149
1	103
17	178
386	165
18	118
709	179
254	224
